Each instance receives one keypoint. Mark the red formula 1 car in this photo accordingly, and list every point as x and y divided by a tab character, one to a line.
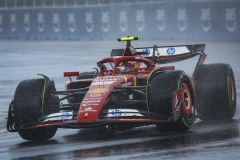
127	90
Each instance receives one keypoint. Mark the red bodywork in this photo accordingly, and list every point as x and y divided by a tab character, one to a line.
102	86
93	97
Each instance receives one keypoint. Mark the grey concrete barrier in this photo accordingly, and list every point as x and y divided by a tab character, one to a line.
162	20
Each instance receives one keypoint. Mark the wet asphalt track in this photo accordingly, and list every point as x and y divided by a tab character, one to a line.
21	60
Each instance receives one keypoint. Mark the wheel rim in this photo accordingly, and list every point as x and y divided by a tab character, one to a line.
186	99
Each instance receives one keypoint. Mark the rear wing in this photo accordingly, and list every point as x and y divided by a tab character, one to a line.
162	54
169	54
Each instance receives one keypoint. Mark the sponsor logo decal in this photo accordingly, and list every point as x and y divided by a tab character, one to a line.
148	52
85	115
103	83
65	115
171	51
86	102
89	101
123	113
93	98
98	90
59	116
88	109
116	112
95	95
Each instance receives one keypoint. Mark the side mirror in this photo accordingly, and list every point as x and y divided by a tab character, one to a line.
69	74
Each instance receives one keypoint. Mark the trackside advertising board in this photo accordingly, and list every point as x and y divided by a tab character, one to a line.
160	20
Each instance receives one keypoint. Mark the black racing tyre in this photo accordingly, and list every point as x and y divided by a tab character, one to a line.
86	75
29	105
38	134
215	92
162	89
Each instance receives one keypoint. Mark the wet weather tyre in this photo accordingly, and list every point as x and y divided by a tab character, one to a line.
38	134
29	106
161	95
215	92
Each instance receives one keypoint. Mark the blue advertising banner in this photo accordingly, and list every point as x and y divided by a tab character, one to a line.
161	20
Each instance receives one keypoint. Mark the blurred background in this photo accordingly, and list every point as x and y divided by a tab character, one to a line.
108	19
53	36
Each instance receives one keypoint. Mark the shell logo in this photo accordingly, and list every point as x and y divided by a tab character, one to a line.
98	90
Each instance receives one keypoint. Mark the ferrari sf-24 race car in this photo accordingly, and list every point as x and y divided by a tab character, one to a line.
131	88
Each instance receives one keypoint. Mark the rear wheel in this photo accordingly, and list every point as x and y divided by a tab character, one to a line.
32	101
215	92
168	90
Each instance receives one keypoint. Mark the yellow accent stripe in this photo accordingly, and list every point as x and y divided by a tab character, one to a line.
135	80
147	87
128	38
185	123
43	94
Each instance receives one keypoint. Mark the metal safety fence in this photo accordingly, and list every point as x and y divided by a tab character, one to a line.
107	19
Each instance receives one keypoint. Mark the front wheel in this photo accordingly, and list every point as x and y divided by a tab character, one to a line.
171	90
34	99
38	134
